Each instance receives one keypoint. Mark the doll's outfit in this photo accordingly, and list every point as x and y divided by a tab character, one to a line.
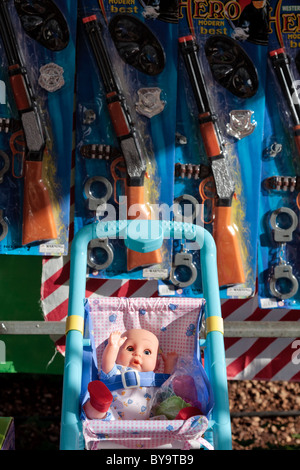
128	403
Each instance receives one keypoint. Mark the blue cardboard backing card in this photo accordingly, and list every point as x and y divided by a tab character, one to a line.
51	74
207	21
278	241
100	178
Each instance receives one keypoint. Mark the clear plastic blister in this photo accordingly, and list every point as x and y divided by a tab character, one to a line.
36	116
218	153
125	126
278	257
186	389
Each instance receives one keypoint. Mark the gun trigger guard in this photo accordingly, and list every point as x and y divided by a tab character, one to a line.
207	183
210	184
18	147
117	165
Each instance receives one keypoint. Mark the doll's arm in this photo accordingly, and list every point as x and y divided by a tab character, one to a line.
170	360
110	353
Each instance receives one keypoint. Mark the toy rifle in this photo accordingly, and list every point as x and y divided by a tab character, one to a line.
230	268
38	219
280	62
127	138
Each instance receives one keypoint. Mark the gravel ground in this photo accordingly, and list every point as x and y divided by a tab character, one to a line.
35	403
273	424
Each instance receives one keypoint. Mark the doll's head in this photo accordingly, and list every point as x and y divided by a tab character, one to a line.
139	351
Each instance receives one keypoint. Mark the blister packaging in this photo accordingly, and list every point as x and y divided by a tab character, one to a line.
125	126
220	113
37	75
278	249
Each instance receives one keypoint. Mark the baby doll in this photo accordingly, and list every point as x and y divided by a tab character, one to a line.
135	349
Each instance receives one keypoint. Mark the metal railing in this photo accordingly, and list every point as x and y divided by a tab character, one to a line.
232	329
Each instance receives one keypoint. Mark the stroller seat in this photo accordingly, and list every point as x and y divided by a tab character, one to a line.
176	323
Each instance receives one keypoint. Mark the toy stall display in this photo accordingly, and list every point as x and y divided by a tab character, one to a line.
278	254
220	114
36	119
125	127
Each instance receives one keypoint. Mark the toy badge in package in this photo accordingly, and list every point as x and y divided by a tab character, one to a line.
278	254
220	111
37	70
125	126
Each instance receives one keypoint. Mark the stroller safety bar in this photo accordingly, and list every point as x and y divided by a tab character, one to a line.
142	236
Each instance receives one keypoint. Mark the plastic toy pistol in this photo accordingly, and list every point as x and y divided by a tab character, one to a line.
280	62
38	220
229	260
127	138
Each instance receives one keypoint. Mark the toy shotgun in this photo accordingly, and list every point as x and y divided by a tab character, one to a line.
127	138
280	63
230	268
38	220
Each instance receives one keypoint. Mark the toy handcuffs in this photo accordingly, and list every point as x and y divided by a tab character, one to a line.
184	259
103	245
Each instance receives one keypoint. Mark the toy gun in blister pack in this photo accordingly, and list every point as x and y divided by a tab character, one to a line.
131	148
29	141
230	267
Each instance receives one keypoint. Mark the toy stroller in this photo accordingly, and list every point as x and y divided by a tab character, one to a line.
177	323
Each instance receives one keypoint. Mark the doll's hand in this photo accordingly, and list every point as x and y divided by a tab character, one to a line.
115	339
111	351
170	360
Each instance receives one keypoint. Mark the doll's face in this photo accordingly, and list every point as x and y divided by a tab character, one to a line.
139	351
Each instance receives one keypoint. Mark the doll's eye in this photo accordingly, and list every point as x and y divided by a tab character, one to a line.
147	352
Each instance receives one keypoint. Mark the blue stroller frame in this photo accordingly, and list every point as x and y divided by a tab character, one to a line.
219	434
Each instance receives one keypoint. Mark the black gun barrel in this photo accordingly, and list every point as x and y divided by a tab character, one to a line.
94	31
280	62
8	36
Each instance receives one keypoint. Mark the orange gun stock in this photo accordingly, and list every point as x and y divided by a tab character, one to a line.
229	261
138	209
128	140
38	219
